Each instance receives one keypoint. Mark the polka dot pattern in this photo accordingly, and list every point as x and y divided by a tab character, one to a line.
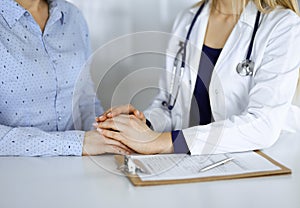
38	72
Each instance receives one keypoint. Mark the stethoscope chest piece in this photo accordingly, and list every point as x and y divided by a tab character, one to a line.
245	68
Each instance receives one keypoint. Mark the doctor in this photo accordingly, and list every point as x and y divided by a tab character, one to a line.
249	63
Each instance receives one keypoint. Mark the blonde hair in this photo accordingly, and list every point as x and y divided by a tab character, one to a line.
266	6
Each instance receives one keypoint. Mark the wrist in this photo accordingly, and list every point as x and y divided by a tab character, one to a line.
84	153
164	143
90	145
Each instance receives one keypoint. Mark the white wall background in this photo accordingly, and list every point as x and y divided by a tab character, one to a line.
110	19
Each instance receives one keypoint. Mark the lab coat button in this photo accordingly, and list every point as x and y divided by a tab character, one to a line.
59	118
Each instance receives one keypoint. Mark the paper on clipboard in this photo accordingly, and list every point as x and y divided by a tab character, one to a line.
181	166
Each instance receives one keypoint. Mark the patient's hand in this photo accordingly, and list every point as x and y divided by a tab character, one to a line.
96	144
124	109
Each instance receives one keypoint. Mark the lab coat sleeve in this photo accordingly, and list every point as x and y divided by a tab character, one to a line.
270	98
292	123
158	115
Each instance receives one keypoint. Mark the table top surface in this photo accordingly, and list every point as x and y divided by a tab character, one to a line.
95	182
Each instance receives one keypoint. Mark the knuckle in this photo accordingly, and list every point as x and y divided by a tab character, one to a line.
110	122
111	134
129	108
104	125
132	116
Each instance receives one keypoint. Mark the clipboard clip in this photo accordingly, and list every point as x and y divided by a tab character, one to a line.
132	166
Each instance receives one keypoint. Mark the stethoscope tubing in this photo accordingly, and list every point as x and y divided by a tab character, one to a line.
183	49
256	25
187	39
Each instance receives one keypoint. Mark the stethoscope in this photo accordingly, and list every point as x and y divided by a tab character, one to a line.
245	68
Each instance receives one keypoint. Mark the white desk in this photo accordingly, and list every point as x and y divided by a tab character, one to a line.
84	183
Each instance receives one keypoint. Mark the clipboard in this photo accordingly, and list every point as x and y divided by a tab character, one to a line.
136	180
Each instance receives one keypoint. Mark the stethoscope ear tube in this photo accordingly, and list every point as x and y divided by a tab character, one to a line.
182	50
190	32
246	67
256	25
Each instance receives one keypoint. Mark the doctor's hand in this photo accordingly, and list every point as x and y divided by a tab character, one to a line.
96	144
134	133
124	109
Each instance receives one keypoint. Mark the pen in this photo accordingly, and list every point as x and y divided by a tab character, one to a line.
222	162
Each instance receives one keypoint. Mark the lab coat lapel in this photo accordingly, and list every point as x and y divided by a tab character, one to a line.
193	56
228	48
229	58
247	19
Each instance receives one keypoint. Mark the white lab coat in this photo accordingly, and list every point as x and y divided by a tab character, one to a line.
249	112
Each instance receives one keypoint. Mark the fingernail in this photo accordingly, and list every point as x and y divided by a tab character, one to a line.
109	114
138	112
99	130
101	117
95	124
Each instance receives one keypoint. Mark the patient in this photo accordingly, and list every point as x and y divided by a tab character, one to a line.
43	47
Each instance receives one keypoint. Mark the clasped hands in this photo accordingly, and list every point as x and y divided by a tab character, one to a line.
126	127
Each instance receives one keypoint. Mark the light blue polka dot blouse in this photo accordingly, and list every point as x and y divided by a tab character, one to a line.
38	72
